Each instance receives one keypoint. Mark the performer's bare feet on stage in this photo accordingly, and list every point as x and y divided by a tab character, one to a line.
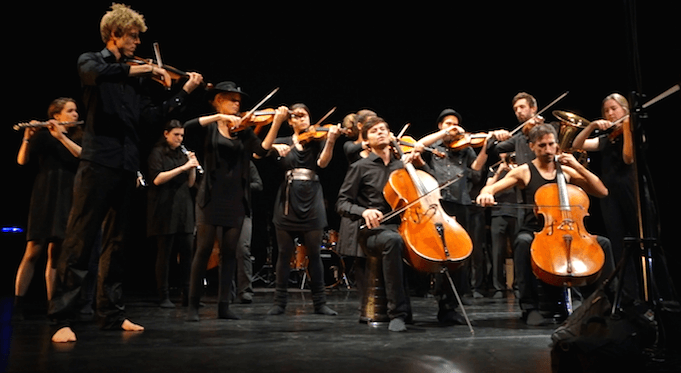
64	335
131	327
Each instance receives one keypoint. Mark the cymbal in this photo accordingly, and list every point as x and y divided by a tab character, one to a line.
571	118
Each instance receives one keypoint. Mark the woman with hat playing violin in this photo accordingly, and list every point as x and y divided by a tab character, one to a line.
223	197
299	206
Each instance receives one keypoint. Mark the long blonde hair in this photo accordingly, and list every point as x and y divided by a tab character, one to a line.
619	99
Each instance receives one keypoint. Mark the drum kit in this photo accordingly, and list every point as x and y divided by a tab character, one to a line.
334	266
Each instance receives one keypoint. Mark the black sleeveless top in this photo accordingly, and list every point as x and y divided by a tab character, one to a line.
533	222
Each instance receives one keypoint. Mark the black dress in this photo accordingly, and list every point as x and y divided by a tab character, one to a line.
53	186
170	207
224	190
305	198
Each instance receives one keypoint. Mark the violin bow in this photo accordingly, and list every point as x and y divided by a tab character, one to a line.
319	122
394	213
157	53
259	104
662	95
541	111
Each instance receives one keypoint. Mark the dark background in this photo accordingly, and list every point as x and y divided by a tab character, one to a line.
407	62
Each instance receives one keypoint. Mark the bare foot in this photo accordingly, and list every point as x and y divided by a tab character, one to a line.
64	335
131	327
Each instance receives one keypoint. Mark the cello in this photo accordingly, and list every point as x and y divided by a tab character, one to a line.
563	253
433	239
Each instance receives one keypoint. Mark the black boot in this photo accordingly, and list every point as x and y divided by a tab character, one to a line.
193	309
280	300
185	297
319	301
224	311
164	300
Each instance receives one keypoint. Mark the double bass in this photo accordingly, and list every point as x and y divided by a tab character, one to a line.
433	239
563	253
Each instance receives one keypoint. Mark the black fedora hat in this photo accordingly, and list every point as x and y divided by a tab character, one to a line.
226	86
448	112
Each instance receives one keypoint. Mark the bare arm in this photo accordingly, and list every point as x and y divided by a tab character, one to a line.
582	177
327	153
165	176
516	177
59	132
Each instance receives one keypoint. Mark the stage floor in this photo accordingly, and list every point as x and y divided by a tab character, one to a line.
298	341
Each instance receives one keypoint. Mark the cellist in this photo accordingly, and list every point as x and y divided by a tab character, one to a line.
361	197
529	177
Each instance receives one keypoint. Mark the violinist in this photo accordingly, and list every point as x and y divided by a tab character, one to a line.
224	193
525	110
529	177
617	156
299	205
355	149
347	246
503	223
361	198
117	110
457	198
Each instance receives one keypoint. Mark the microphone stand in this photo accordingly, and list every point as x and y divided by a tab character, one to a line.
645	247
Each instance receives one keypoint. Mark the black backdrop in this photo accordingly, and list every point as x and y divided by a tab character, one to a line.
406	62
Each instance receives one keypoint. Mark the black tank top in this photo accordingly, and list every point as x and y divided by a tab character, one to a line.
532	222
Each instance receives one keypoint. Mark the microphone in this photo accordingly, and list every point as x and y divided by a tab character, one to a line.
184	150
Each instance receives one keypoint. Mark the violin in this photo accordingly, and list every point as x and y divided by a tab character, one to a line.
434	240
175	74
462	140
563	253
407	145
617	128
257	119
318	133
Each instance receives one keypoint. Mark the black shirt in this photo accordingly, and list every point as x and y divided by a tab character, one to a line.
363	186
117	107
455	165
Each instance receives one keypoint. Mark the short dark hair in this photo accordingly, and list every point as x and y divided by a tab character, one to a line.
372	121
541	130
531	101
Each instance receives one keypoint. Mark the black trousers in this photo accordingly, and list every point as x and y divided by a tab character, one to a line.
168	244
101	201
388	243
529	285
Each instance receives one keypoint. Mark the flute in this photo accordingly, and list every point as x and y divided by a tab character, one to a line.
184	150
19	126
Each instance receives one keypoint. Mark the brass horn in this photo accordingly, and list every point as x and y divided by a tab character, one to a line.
570	126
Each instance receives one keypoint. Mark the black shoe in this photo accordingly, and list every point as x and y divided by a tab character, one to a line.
225	313
325	310
450	317
534	318
276	310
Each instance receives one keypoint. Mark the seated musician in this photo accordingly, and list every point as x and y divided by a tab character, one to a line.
529	177
361	196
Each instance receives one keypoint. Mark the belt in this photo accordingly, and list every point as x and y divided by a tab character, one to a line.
297	174
301	174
